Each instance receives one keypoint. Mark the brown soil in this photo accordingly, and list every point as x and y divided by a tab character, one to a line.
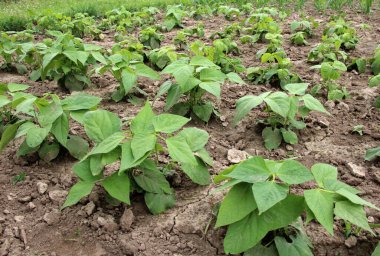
31	223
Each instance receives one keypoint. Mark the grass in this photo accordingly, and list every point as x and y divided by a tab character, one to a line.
16	14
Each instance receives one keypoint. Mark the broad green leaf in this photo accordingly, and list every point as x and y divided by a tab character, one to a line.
233	77
152	180
297	246
199	173
211	74
203	111
211	87
97	162
201	61
377	250
261	250
36	135
108	144
272	138
168	123
145	71
278	103
159	202
8	134
339	65
77	146
128	80
127	159
237	204
4	101
313	104
180	151
268	193
205	156
355	199
100	124
321	203
352	213
248	232
335	185
174	94
60	129
48	151
118	186
296	89
24	149
289	136
251	170
293	172
82	170
322	172
196	138
143	122
372	154
77	192
80	101
142	143
49	114
24	128
246	104
374	81
12	87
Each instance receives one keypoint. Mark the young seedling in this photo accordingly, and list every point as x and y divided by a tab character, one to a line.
150	38
140	148
358	129
263	213
285	112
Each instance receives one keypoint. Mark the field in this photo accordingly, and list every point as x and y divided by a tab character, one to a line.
192	129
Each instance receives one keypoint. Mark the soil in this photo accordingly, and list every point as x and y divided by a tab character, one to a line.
32	224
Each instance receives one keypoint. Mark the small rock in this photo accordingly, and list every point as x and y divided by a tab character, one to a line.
2	219
31	205
289	147
4	250
42	187
58	195
99	250
89	208
126	220
343	106
351	242
357	171
23	236
322	122
236	156
25	199
52	217
108	223
330	104
371	219
19	218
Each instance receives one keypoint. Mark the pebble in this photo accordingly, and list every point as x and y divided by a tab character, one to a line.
99	250
52	217
126	220
31	205
89	208
343	106
289	147
25	199
351	242
108	223
356	170
19	218
236	156
42	187
58	195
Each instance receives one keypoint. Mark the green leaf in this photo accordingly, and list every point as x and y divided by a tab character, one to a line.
251	170
24	128
211	74
233	77
180	151
377	250
203	111
321	203
293	172
82	170
49	114
4	101
80	101
128	80
150	179
60	129
272	138
142	143
289	136
201	61
279	103
352	213
118	186
174	94
237	204
197	173
296	89
12	87
313	104
211	87
168	123
100	124
205	156
246	104
324	172
355	199
262	250
372	154
196	138
77	146
248	232
145	71
268	193
48	151
142	123
77	192
127	159
297	246
335	185
108	144
374	81
159	202
36	136
8	134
